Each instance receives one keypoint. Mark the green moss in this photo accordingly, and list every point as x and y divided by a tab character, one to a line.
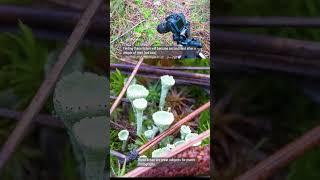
306	167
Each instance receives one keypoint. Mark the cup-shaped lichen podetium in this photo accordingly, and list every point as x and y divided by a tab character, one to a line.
139	105
136	91
123	136
160	152
162	119
184	131
76	96
149	134
192	136
166	83
79	95
90	133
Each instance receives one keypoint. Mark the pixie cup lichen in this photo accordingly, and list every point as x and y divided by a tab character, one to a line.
123	136
162	119
166	83
136	91
160	152
184	131
191	136
139	105
149	134
90	134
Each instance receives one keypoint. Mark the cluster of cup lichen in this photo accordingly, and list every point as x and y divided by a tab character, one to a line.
162	120
78	102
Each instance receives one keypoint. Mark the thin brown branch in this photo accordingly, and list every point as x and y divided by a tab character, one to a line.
266	44
173	128
140	170
178	80
41	119
44	91
162	71
125	87
284	156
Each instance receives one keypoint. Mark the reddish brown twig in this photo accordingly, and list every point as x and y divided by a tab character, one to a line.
178	80
41	119
266	44
173	128
43	92
136	172
284	156
161	71
125	87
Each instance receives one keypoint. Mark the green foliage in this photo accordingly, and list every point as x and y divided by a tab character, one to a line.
199	94
115	143
23	157
146	12
204	124
200	11
166	140
141	140
154	93
138	2
116	168
306	167
116	82
204	121
117	7
23	71
197	62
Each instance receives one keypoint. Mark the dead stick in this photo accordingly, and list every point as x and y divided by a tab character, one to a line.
44	91
266	44
140	170
178	81
284	156
173	128
125	87
41	119
158	71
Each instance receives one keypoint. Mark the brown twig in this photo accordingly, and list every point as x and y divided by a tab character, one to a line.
178	81
140	170
125	87
43	92
279	63
60	20
266	44
183	68
41	119
123	99
162	71
173	128
284	156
